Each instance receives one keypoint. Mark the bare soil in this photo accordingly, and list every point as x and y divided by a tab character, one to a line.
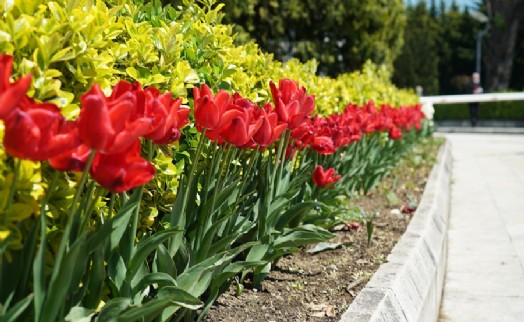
321	286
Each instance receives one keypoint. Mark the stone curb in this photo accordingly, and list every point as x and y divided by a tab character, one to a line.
408	287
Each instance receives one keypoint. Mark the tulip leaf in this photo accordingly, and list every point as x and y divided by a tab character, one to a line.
114	228
164	261
162	279
17	310
39	264
117	270
97	275
112	308
15	277
167	297
257	252
179	297
306	234
80	314
72	263
196	279
146	246
294	211
323	246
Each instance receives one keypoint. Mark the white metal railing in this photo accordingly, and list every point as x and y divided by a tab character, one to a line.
428	101
450	99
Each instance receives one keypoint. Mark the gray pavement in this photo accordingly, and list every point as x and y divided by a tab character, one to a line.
485	266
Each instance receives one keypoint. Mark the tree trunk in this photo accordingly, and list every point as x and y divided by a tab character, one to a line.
504	16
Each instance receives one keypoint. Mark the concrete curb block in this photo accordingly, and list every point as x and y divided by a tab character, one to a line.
408	287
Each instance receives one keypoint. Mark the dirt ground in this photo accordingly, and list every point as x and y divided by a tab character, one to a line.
320	286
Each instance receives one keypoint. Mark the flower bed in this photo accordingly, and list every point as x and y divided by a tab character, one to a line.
121	201
319	285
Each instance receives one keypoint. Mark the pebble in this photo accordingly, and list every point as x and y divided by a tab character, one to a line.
332	267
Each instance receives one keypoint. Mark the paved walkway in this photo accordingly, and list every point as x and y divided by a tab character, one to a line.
485	268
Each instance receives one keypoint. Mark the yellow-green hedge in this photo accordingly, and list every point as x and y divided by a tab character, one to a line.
67	45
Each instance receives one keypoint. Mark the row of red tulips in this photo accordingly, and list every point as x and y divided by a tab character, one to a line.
112	126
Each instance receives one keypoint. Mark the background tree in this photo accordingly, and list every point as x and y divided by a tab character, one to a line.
418	62
457	48
340	34
517	76
505	16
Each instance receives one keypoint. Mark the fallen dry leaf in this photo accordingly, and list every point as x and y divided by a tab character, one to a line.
354	284
320	314
317	307
330	311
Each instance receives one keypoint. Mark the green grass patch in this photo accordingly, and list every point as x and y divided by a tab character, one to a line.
512	110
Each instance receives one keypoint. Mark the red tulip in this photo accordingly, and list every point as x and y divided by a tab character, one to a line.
408	209
340	139
323	145
110	125
166	114
395	133
37	131
241	129
303	135
211	112
323	178
71	160
270	130
122	171
293	105
10	94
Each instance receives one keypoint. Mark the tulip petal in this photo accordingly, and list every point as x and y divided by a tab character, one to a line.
282	112
22	136
122	171
222	100
12	96
120	112
72	160
127	137
236	132
94	123
206	113
6	64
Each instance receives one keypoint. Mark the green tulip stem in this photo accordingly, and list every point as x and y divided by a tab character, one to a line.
39	284
246	175
215	170
281	157
71	218
90	203
136	213
182	215
221	175
81	184
111	205
12	191
51	187
209	175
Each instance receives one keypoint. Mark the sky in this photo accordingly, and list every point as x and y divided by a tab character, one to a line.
461	3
